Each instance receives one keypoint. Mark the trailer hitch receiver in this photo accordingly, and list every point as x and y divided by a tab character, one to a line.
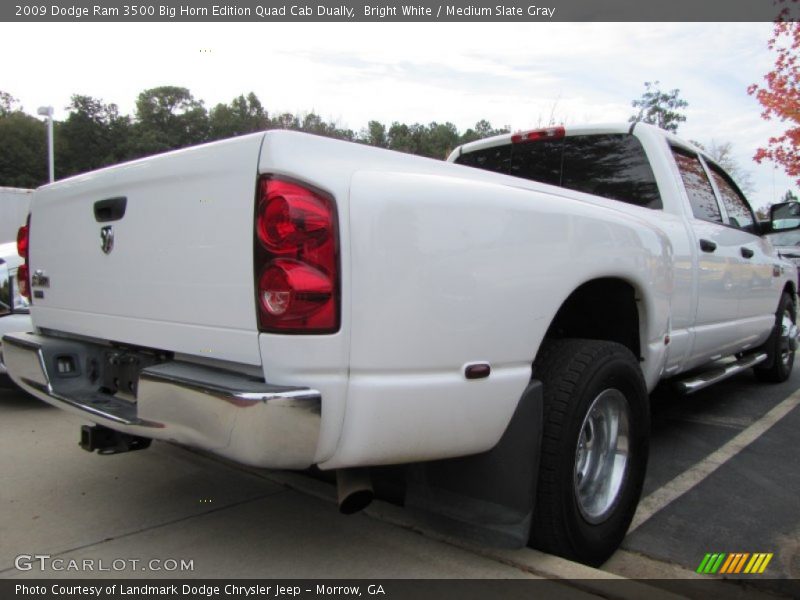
108	441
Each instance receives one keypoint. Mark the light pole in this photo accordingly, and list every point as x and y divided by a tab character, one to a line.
47	111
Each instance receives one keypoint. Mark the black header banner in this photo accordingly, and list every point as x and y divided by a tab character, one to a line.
384	589
397	10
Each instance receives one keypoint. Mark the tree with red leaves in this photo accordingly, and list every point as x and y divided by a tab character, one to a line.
780	96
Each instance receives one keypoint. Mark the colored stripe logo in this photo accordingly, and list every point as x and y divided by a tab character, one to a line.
734	563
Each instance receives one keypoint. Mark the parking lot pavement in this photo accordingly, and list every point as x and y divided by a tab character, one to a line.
169	503
733	469
737	465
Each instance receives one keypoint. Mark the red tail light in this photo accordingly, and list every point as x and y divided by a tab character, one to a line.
296	259
290	216
22	241
23	279
551	133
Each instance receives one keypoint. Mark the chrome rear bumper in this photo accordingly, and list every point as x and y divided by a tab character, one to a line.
226	413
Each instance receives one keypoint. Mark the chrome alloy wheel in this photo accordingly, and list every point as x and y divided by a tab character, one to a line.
788	337
601	458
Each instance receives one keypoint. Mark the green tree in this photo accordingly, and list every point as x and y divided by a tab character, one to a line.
23	150
7	102
434	140
285	121
482	129
405	138
93	135
439	140
375	135
242	115
167	117
313	123
659	108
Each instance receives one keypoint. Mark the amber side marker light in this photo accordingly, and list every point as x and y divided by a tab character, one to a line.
477	371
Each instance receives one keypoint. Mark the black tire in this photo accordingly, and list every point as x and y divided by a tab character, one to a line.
780	353
575	373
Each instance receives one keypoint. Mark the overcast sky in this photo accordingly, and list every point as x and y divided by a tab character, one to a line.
511	74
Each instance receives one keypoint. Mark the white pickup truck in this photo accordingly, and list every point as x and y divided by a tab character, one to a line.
286	300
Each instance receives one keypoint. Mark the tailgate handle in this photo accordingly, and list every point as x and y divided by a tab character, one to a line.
111	209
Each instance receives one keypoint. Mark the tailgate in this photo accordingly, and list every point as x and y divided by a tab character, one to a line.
180	273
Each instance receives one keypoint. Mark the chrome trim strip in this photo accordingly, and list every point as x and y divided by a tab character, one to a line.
20	341
224	393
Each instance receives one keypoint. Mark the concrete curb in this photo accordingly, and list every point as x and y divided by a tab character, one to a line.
575	575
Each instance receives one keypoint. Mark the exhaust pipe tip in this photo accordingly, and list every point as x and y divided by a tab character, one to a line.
355	502
354	488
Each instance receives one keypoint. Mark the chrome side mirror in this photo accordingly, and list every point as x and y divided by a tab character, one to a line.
785	216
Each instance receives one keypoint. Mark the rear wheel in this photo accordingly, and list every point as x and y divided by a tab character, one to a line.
594	448
780	346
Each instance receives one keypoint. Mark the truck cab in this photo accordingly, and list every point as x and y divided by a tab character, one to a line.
724	288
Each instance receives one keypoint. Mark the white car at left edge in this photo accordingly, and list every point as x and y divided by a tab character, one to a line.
14	308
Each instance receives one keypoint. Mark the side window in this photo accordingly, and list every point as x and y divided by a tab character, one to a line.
739	213
496	159
698	187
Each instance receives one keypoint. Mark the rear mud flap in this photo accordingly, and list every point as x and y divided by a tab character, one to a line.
487	498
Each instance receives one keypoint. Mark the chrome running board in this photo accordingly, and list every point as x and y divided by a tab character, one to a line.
718	373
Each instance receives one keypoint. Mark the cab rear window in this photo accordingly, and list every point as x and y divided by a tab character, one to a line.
613	166
497	159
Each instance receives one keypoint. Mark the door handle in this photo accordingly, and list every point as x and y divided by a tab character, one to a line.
707	246
746	252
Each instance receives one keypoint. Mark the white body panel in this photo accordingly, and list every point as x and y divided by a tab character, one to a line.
459	285
441	265
14	206
180	273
